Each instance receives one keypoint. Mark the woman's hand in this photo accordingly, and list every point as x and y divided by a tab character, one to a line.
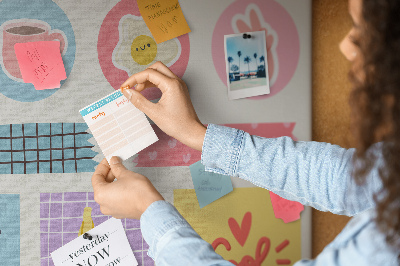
174	113
128	197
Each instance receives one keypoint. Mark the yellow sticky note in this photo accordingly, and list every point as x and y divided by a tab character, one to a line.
164	18
242	227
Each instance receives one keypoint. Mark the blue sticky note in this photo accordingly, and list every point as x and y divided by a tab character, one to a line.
209	186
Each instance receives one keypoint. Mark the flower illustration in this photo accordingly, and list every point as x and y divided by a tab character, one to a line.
136	48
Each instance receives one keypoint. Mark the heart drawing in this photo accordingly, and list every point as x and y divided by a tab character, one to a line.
153	155
241	232
186	157
172	143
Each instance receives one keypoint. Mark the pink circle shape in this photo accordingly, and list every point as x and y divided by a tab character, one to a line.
288	48
108	40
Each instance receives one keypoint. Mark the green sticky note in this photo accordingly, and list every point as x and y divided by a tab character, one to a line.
209	186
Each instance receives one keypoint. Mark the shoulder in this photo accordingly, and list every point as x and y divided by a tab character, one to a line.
361	241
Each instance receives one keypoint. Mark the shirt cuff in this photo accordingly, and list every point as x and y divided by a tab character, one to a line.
222	148
159	218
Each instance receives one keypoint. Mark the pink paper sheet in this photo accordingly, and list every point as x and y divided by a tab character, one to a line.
288	211
41	64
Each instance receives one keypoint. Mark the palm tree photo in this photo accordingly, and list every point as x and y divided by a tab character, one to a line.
230	60
255	60
262	59
239	53
247	61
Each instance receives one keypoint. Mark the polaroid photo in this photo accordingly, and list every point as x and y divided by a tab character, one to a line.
246	64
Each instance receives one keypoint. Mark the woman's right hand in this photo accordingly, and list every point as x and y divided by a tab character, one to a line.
174	113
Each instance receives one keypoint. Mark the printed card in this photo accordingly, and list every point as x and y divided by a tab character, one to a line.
118	126
108	246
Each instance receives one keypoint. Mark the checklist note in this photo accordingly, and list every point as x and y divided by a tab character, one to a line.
119	128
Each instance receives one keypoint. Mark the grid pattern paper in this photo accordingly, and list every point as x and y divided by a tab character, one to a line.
45	148
61	216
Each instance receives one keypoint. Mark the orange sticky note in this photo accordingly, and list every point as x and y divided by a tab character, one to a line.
164	18
40	63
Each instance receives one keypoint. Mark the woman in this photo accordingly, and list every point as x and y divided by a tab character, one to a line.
362	182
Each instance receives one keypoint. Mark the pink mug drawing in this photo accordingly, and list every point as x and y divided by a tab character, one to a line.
22	31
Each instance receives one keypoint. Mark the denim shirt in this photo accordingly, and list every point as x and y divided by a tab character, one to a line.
312	173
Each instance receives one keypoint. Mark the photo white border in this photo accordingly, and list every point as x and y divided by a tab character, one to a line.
247	92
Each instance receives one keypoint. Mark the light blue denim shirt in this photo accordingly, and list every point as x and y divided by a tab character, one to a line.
312	173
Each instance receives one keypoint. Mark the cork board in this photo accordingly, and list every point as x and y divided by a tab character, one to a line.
331	89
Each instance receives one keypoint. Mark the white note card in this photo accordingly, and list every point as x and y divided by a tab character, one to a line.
109	246
118	126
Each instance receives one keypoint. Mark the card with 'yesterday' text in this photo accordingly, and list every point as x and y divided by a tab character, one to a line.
108	246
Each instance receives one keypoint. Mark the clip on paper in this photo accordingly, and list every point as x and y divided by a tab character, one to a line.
87	236
127	87
246	36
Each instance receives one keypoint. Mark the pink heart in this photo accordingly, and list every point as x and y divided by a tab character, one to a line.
241	232
186	157
153	155
172	143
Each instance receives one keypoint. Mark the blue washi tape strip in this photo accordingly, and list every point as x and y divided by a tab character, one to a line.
100	103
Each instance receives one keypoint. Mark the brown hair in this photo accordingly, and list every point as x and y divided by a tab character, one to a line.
375	101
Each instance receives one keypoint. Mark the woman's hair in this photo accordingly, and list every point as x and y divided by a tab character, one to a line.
375	101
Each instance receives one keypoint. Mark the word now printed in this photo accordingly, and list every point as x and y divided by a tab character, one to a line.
108	247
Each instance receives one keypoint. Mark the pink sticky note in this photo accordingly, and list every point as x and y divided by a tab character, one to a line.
40	63
284	209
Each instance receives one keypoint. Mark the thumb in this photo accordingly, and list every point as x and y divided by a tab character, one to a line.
117	167
100	174
139	101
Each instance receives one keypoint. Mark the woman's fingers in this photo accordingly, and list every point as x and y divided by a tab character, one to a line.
140	102
110	177
149	75
142	86
100	174
160	67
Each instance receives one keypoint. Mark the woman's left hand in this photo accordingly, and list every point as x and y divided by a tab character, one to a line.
128	197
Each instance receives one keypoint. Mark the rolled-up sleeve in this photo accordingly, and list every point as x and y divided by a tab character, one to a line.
312	173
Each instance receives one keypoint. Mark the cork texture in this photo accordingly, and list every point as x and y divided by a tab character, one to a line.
331	89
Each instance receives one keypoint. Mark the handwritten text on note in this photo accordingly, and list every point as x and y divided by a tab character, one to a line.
164	18
40	63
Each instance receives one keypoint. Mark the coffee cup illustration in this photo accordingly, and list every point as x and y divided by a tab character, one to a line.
23	31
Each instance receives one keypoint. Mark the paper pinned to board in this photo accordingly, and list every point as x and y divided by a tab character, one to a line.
41	64
164	18
108	246
209	186
284	209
